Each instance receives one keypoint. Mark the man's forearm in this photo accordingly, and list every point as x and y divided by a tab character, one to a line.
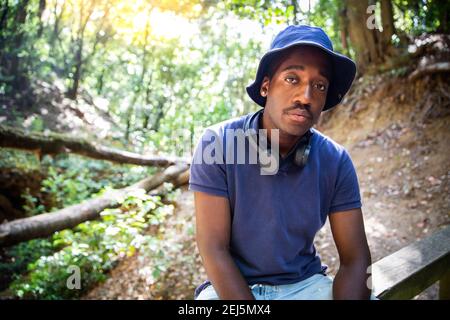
351	282
225	276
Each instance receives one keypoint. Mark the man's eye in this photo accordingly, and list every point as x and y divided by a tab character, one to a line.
291	79
321	86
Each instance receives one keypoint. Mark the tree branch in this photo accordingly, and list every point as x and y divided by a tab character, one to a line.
434	68
54	143
47	223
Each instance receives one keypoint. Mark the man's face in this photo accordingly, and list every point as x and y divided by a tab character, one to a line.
297	92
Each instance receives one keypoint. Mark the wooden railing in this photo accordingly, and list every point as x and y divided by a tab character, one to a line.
409	271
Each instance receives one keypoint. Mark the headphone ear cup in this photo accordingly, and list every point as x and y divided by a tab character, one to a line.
302	152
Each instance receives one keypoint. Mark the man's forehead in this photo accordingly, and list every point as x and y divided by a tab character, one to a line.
299	57
308	54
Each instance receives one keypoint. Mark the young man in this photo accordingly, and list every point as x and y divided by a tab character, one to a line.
255	230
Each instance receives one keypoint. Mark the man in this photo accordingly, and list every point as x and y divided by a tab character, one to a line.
255	230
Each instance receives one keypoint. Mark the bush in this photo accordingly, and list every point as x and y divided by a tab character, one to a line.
16	258
72	179
94	247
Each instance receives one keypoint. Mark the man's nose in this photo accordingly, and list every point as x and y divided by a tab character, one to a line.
304	95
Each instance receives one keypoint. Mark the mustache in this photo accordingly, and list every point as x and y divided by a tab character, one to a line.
304	107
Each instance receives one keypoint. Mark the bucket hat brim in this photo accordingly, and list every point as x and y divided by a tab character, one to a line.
343	74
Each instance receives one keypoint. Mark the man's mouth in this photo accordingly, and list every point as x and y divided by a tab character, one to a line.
299	115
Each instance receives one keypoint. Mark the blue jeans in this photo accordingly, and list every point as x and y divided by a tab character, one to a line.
316	287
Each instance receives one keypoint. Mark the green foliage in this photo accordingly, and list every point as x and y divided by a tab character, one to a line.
25	161
325	14
16	258
264	11
158	84
95	247
416	17
72	179
32	205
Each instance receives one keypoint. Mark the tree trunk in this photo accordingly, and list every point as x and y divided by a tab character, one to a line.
363	39
131	112
20	81
57	143
46	224
73	91
443	17
343	28
295	4
387	20
40	12
57	20
3	18
79	45
5	9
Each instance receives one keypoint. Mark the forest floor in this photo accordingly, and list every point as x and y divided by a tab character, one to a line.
397	136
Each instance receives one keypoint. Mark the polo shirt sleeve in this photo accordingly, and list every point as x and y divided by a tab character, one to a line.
346	193
206	175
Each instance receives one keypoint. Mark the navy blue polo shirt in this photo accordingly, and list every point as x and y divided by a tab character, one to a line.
275	217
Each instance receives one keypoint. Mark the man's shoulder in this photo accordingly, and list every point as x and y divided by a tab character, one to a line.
220	128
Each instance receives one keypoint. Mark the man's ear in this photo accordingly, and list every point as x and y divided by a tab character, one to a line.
265	87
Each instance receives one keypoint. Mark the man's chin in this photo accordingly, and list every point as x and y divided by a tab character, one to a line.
297	131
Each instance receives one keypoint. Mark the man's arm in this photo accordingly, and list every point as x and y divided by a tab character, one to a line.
213	221
354	255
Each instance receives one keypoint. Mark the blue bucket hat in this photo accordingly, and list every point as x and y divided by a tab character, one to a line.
344	69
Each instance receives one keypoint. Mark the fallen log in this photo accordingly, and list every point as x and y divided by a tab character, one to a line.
179	181
47	223
54	143
433	68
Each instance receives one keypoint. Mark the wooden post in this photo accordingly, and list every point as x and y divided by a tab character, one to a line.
444	287
409	271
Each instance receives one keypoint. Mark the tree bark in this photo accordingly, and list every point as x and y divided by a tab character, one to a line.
3	18
439	67
78	55
363	39
443	16
46	224
17	70
387	20
57	143
57	20
41	9
295	4
131	112
73	91
181	180
343	28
